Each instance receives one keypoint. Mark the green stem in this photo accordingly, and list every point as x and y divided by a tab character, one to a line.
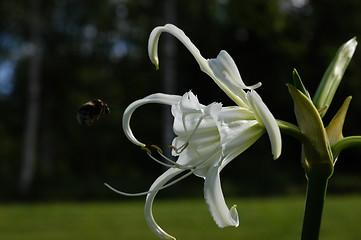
289	129
316	193
347	142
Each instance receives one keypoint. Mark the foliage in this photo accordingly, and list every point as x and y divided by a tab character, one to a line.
97	49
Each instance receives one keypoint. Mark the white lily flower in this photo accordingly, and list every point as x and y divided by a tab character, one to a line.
207	137
223	70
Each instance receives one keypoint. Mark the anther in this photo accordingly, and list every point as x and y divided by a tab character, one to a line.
157	148
147	150
179	150
173	147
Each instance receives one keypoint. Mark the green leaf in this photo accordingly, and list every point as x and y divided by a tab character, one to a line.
297	82
334	129
318	158
333	75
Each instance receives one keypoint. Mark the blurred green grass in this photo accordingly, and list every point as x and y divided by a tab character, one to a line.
260	218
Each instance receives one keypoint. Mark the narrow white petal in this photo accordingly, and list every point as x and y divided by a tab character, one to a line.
223	216
225	70
265	118
237	137
222	70
154	98
158	183
238	130
180	35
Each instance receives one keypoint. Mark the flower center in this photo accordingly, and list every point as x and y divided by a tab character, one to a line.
192	167
166	161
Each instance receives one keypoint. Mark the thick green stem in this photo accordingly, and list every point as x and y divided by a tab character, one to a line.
289	129
347	142
316	193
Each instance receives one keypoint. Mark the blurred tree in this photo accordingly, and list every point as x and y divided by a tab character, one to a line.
170	75
33	100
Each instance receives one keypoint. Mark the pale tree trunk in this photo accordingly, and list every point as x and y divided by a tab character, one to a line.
33	102
170	69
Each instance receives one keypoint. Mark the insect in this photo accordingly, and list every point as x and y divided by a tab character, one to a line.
91	111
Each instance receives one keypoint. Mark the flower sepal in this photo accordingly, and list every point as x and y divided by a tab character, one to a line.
317	157
334	131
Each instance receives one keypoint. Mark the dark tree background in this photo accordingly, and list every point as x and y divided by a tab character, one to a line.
72	51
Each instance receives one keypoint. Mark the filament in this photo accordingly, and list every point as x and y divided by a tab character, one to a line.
153	190
149	153
180	149
192	170
195	128
160	152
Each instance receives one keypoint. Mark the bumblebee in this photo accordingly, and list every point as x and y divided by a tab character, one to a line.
91	111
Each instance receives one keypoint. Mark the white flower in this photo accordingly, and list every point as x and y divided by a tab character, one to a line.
223	70
207	137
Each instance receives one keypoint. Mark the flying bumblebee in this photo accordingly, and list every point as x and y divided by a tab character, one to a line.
91	111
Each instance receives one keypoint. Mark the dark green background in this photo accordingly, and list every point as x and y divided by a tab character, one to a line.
267	39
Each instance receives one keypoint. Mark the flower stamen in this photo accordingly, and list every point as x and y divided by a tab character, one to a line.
190	170
174	164
180	149
160	152
147	150
195	128
149	153
177	179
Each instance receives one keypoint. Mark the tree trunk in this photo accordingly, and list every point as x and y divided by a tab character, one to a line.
33	102
170	70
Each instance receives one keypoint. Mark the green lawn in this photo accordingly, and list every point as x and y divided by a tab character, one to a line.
268	218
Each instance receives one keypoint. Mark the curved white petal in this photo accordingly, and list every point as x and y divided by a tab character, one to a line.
222	70
158	183
214	197
180	35
154	98
265	117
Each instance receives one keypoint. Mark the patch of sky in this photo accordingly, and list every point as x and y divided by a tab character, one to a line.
7	69
120	49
